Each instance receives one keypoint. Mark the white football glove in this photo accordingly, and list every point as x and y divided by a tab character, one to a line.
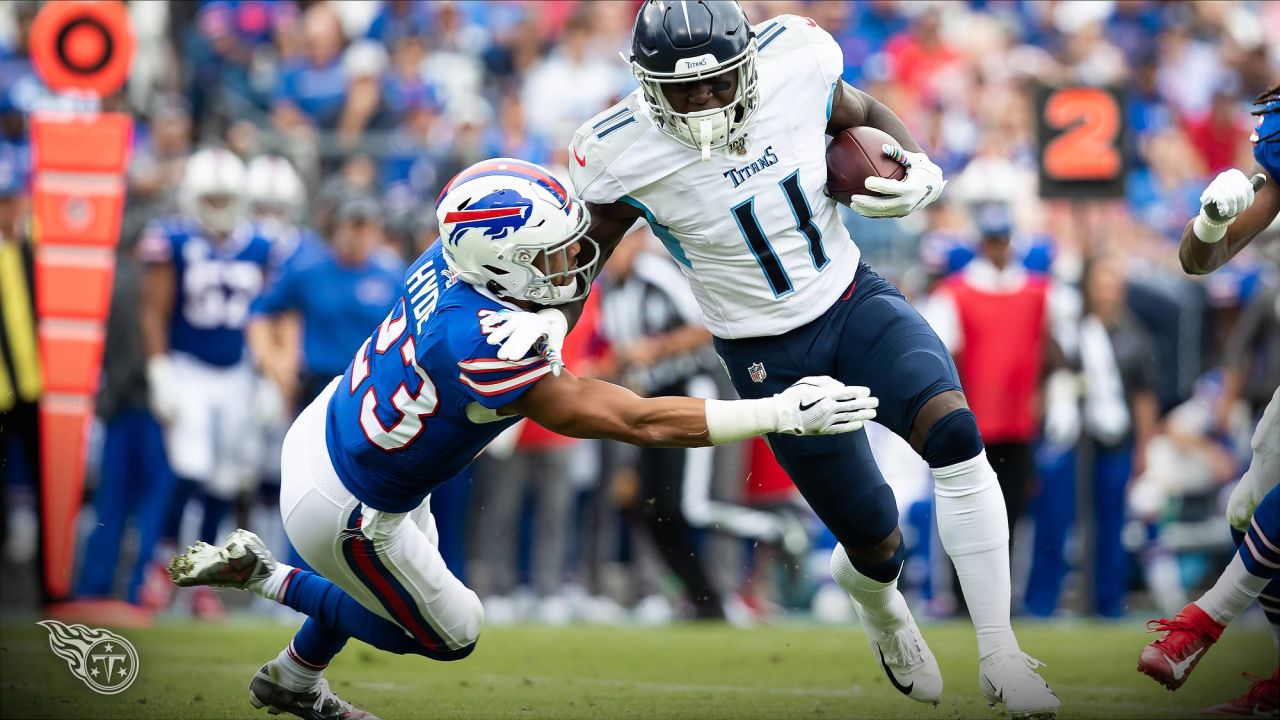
1226	197
164	394
519	332
922	185
822	405
1062	410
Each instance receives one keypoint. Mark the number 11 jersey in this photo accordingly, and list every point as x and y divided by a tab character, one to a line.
761	244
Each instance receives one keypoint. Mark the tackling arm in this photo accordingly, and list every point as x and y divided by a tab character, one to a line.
1200	258
853	108
587	408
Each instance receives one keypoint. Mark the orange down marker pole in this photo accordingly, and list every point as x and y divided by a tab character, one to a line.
79	161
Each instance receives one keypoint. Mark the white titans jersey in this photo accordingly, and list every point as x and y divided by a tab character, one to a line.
760	242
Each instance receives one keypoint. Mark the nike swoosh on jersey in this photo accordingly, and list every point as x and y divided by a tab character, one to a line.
1180	669
582	162
904	689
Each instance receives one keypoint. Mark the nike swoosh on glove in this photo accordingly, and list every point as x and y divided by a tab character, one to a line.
822	405
922	185
520	333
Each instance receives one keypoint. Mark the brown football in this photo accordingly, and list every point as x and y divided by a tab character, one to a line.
855	155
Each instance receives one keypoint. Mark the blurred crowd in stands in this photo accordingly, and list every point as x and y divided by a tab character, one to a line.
1116	465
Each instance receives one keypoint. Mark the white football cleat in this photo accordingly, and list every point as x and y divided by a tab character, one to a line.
242	559
906	660
1011	678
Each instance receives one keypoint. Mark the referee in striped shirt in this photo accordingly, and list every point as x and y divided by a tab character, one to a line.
651	319
653	325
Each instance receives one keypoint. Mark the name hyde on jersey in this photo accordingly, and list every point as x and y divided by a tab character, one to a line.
740	175
424	292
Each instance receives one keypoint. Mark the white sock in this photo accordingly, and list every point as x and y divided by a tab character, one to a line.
272	586
293	674
882	603
1235	590
974	528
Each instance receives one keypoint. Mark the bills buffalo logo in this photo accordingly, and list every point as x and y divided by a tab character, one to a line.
101	659
497	215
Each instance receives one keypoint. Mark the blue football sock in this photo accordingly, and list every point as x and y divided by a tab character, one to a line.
316	644
340	614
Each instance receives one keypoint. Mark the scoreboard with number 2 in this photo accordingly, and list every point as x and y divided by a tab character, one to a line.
1081	142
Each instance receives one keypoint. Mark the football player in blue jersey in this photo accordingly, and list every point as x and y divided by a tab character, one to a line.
1234	209
424	395
722	149
202	270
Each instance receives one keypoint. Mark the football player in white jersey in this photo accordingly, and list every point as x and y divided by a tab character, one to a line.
723	150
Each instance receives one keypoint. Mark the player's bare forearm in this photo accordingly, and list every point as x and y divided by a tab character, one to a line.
1200	258
609	224
260	335
850	107
593	409
157	306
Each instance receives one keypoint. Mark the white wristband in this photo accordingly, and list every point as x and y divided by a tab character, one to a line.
731	420
1207	230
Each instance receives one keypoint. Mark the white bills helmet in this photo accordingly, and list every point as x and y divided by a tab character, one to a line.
275	191
509	226
212	190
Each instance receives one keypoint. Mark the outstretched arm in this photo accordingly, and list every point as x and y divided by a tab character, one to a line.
587	408
1208	245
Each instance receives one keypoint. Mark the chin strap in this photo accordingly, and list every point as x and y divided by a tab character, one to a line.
704	134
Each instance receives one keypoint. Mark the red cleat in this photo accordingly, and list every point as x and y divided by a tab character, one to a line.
1187	637
157	589
206	606
1262	699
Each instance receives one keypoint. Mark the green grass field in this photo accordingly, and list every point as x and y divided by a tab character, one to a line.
711	671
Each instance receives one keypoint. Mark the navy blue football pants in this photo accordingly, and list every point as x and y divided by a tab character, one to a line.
872	337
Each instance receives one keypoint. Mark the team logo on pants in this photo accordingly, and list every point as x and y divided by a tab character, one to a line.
104	661
756	371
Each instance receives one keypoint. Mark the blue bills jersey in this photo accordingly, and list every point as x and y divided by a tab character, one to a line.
417	404
214	283
1266	140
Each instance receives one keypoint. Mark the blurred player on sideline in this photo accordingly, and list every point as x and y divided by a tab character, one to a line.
723	150
1235	208
423	396
202	270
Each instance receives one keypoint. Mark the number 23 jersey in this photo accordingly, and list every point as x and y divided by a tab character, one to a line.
761	244
418	402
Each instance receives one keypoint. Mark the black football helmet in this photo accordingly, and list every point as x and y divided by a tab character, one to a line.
678	41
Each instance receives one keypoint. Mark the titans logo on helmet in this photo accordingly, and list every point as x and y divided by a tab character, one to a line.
497	214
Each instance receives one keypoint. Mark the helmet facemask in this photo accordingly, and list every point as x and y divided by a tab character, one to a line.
553	279
547	259
703	129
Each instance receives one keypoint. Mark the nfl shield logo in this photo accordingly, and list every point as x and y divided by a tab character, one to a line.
756	371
